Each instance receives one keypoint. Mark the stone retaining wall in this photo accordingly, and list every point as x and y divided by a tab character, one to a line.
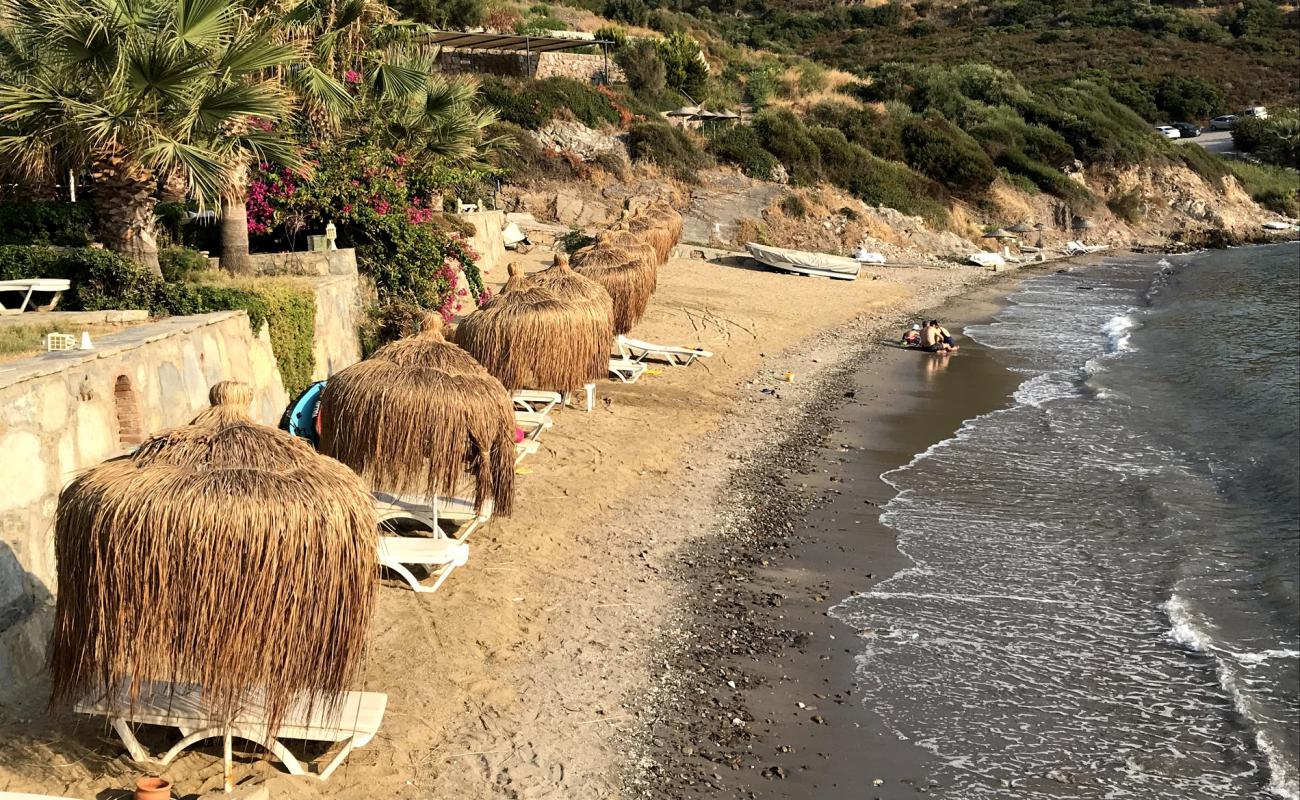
63	412
487	239
587	67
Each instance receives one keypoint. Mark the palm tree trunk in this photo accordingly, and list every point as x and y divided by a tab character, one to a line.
234	231
126	210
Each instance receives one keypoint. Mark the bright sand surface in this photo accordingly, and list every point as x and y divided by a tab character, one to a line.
525	675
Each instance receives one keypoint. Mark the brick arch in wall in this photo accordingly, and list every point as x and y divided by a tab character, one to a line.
126	404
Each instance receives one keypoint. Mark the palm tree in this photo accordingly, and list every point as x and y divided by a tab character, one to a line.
136	91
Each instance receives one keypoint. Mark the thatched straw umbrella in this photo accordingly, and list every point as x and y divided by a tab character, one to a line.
222	553
569	285
531	338
655	232
672	219
635	244
629	279
418	415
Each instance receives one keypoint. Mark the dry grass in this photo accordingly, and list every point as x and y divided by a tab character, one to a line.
531	338
417	416
226	554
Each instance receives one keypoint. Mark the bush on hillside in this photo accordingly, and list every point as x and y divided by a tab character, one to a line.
739	145
1050	180
671	148
630	12
942	151
446	14
1275	188
532	104
643	67
893	185
684	64
786	137
1188	97
1275	140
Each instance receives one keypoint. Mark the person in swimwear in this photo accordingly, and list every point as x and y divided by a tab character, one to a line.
932	340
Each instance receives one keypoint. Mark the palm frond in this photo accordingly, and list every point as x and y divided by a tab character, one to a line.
203	23
238	101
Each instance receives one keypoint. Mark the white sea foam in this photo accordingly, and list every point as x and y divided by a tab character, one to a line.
1118	332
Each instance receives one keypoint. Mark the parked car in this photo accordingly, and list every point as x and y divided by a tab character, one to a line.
1223	123
1168	131
1255	111
1188	130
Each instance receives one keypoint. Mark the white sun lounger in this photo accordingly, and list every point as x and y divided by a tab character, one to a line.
459	511
533	423
637	350
352	722
626	370
438	553
29	285
538	402
528	447
25	796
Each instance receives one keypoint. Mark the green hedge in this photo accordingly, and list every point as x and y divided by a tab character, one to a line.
102	279
45	222
532	104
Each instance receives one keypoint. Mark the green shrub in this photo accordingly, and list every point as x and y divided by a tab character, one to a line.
642	66
1184	97
1127	206
941	150
786	137
1275	140
574	240
671	148
891	184
286	306
812	77
1204	163
739	145
45	222
529	162
1275	188
684	64
761	83
101	279
631	12
446	14
532	104
1050	180
792	205
180	263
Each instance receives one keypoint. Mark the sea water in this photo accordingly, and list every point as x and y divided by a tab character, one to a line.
1103	600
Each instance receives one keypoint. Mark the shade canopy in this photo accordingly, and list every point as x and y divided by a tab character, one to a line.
531	338
222	553
998	234
421	416
1020	227
628	276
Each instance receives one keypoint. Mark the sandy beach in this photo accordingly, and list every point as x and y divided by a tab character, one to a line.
552	665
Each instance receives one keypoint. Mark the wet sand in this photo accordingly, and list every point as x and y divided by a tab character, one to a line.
769	706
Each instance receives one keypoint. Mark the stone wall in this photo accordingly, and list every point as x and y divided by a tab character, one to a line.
588	67
487	239
338	315
338	302
63	412
318	262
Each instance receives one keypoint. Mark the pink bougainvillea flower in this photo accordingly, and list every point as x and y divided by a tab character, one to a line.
352	76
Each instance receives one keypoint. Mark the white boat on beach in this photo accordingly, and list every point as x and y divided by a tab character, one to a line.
819	264
985	259
1080	249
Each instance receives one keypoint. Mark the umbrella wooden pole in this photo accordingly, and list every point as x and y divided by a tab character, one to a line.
228	759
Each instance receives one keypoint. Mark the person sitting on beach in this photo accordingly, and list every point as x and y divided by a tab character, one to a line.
943	333
932	340
911	337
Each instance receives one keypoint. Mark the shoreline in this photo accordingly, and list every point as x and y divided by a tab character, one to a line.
762	700
535	670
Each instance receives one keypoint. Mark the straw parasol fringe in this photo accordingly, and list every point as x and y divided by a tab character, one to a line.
569	285
530	338
636	245
420	414
654	232
628	279
217	564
